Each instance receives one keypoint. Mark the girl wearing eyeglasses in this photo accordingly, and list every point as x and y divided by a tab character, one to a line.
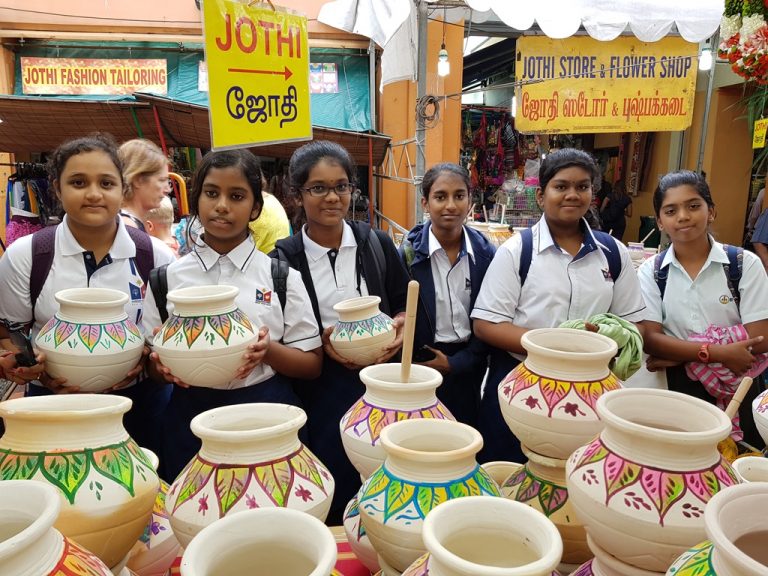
338	259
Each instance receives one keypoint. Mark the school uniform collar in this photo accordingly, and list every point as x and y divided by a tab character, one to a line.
716	254
545	240
122	246
315	252
240	255
466	245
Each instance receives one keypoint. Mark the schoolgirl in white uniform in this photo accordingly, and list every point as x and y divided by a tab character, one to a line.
91	249
570	277
698	294
225	196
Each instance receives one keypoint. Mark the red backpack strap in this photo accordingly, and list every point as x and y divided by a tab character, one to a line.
145	255
43	249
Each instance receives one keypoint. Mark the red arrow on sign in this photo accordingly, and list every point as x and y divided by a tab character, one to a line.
285	72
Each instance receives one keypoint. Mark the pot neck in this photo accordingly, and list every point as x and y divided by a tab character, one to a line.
35	556
436	470
245	449
361	313
88	313
73	432
405	396
577	368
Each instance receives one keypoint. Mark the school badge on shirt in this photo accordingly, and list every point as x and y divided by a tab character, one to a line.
606	274
264	297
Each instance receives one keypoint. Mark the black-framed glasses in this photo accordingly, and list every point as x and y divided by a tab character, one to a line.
319	190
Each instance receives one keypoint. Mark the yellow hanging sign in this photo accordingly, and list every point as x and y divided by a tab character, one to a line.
758	136
258	74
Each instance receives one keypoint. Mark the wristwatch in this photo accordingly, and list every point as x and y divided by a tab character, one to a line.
703	353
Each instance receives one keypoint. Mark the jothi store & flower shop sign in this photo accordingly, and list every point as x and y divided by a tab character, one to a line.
582	85
258	74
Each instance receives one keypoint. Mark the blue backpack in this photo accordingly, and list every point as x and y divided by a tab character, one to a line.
608	246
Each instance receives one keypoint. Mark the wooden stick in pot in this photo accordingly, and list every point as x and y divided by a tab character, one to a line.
408	330
741	391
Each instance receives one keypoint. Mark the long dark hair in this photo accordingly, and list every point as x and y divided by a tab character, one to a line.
565	158
681	178
100	141
434	173
309	155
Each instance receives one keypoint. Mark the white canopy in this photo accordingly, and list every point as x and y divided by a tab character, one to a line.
392	23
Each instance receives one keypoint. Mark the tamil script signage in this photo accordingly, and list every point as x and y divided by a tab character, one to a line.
93	76
582	85
258	74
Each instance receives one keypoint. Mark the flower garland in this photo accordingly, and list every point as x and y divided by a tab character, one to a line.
744	39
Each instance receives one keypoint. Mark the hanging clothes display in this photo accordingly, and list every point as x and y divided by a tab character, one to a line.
28	204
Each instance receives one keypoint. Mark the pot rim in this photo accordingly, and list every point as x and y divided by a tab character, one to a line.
61	407
195	294
203	425
548	561
472	447
712	523
432	378
45	508
96	297
357	303
608	346
607	402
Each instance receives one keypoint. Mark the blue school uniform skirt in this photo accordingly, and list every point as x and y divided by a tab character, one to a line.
460	392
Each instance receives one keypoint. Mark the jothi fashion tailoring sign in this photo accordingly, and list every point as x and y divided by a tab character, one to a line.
585	85
258	74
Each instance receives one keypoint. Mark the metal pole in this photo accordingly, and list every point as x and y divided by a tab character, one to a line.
372	192
705	120
421	90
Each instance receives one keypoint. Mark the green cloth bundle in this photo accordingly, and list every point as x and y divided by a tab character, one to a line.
625	334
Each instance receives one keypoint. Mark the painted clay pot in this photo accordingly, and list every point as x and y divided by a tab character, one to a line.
541	484
548	401
204	339
29	544
736	525
603	564
263	542
760	414
485	536
751	468
640	488
77	443
387	399
428	462
500	471
90	341
251	457
157	547
358	538
363	331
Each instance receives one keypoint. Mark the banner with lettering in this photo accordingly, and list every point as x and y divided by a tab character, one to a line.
93	76
258	74
582	85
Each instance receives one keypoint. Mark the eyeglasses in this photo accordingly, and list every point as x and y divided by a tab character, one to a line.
319	190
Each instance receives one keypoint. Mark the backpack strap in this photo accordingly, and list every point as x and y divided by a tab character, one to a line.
280	279
660	274
380	264
43	249
145	255
526	254
611	252
158	283
733	271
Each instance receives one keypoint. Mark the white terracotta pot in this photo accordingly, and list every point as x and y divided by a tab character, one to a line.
90	341
548	401
603	564
736	526
751	468
760	414
251	457
641	487
486	536
204	340
263	542
428	462
358	538
77	443
387	399
29	544
500	471
363	331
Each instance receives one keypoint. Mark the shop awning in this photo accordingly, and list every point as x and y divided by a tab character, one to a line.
32	124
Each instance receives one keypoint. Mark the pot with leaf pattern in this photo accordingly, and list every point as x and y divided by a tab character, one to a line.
363	331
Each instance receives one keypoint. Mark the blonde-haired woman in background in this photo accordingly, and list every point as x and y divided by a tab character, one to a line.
145	173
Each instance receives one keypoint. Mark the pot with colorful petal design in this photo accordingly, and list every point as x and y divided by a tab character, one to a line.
204	339
640	488
358	538
29	544
251	457
387	399
363	331
77	443
90	340
548	401
428	462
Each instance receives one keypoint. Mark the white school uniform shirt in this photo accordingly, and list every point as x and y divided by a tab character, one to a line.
559	286
250	270
68	270
452	290
693	305
334	284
